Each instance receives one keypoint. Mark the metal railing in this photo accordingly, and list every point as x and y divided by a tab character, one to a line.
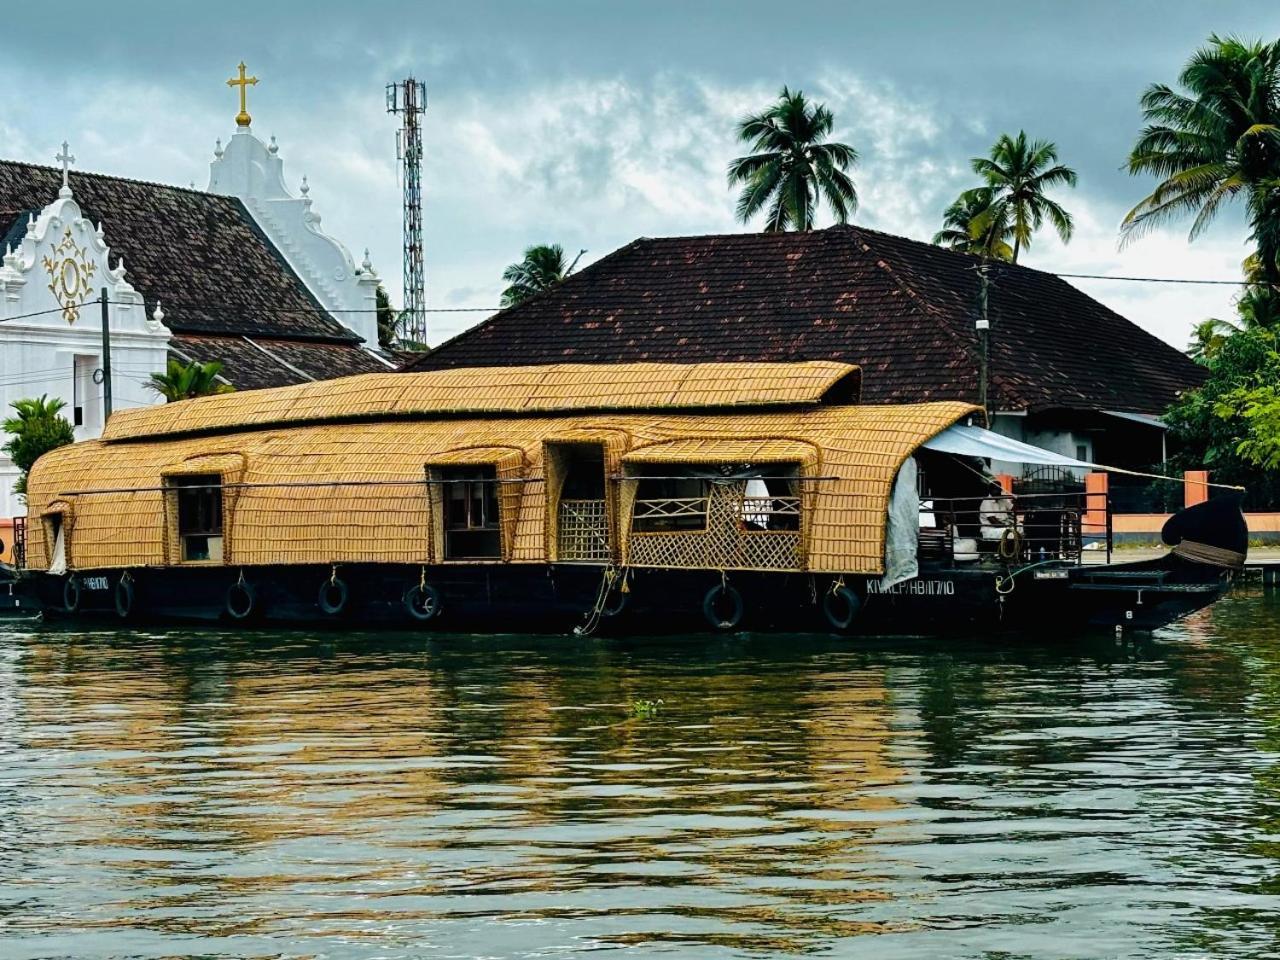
20	542
1024	528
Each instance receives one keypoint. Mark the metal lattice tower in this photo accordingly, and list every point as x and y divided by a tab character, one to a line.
408	100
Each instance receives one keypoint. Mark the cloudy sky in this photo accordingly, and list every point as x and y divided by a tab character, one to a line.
592	123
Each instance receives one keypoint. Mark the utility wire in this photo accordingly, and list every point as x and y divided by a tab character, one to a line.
1102	276
322	311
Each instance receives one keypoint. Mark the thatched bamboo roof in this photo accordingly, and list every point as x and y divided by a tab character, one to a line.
557	388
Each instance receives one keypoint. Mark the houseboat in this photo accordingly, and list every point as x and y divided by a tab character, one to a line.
630	497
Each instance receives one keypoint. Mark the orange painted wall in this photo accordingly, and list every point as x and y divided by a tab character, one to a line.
1152	522
1195	487
6	535
1095	504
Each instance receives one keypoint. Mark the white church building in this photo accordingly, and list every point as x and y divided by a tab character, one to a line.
240	273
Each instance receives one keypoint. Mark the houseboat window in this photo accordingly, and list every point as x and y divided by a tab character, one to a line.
471	528
199	516
665	504
770	503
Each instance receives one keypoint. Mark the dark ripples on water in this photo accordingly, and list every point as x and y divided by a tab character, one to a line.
183	793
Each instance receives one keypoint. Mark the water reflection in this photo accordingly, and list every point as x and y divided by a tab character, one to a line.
272	794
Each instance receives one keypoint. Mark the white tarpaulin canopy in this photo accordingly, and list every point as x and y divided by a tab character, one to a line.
977	442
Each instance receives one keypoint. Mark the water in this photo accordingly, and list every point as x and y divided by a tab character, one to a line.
186	793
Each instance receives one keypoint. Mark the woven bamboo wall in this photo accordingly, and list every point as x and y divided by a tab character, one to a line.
326	523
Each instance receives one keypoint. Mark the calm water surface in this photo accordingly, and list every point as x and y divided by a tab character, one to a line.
183	793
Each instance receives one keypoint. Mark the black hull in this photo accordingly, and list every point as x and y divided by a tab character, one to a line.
1047	598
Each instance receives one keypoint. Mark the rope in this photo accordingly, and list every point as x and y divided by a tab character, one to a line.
597	609
1000	581
1132	473
1209	555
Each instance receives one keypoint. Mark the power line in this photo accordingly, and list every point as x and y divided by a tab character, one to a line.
41	313
1102	276
322	311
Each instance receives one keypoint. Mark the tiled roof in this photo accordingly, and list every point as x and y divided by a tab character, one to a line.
198	253
250	363
902	310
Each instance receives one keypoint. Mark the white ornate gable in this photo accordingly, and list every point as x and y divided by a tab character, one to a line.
51	326
54	277
253	171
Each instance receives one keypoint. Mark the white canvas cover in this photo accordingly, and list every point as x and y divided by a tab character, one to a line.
902	535
976	442
58	565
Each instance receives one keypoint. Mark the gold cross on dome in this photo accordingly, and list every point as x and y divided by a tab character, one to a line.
244	83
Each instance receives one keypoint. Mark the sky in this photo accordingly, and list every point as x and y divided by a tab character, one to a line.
591	123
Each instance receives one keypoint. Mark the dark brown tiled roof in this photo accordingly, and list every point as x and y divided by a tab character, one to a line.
201	255
902	310
249	364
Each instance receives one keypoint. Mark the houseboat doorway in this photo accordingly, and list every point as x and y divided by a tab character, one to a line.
580	502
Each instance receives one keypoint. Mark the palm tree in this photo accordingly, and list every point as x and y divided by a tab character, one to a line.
37	428
1214	139
975	224
183	381
793	165
1018	172
541	269
1208	336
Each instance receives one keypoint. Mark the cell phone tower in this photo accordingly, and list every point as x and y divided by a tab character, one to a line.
408	100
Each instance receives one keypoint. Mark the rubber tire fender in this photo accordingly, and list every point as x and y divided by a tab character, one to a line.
125	595
244	588
422	601
71	594
737	607
852	602
329	606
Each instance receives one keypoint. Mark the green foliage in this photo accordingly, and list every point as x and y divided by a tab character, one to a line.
1017	172
1216	138
976	224
646	709
1208	337
388	319
542	268
793	165
1231	425
183	381
1260	407
37	428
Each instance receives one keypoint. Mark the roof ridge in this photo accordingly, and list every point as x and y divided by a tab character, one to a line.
72	174
943	313
895	274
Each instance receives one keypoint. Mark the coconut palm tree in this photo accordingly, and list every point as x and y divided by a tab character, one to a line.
541	269
1018	172
1208	336
182	381
975	224
793	165
1214	139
